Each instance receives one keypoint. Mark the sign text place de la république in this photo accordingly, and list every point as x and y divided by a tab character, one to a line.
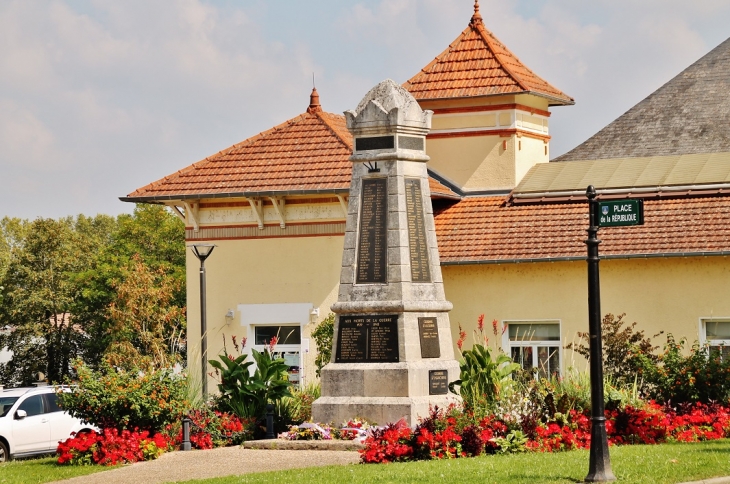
620	213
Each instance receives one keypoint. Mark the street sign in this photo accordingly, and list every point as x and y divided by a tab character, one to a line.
621	213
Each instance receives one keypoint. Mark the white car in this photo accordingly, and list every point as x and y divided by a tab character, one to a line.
32	423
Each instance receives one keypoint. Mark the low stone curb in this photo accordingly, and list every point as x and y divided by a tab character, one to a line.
714	480
281	444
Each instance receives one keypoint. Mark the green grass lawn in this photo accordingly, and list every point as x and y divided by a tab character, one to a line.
667	463
41	470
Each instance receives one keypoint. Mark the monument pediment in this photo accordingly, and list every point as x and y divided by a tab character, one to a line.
387	104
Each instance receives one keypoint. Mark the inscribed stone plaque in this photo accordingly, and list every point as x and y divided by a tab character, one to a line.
375	143
367	339
372	249
420	271
438	382
410	143
428	331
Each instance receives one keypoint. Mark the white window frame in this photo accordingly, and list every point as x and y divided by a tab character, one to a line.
284	314
703	332
507	345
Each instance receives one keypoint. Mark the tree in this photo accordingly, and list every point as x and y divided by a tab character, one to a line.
147	329
38	297
157	238
64	291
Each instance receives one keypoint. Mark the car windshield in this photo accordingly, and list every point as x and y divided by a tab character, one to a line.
5	404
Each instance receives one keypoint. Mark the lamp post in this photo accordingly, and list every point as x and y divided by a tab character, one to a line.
202	251
599	468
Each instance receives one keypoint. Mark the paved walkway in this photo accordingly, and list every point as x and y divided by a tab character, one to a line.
229	461
225	461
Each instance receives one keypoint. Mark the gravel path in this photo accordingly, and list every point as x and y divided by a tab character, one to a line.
204	464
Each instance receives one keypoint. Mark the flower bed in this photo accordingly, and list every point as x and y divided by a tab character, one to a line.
355	429
111	447
455	432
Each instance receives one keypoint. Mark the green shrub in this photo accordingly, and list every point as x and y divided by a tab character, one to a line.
298	407
120	399
246	394
702	376
625	350
323	336
482	377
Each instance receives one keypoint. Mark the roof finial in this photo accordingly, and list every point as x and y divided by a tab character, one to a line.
314	106
477	17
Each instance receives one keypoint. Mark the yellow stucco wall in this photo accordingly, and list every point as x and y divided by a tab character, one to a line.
661	294
260	271
483	163
475	162
530	152
532	101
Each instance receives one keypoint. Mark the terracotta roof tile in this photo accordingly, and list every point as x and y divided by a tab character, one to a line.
485	229
307	153
478	64
438	190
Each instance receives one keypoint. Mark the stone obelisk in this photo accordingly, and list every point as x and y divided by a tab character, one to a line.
393	355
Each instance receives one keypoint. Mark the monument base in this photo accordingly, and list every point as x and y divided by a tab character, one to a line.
384	392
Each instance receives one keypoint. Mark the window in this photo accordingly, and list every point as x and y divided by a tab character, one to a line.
286	335
32	405
535	346
52	403
6	403
716	334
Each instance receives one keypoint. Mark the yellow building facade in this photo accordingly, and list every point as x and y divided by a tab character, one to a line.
510	226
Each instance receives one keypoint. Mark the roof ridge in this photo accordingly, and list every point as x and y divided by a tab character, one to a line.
321	115
485	34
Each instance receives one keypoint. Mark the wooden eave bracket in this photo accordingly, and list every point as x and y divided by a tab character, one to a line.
257	206
343	203
191	209
279	208
178	212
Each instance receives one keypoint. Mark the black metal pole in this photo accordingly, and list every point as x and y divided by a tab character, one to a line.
186	433
270	421
599	469
203	331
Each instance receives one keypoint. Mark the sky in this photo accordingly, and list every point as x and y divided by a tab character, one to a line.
101	97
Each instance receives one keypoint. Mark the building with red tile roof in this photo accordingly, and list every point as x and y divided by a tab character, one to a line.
510	225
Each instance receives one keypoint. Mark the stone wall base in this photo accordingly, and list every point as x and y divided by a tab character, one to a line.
381	392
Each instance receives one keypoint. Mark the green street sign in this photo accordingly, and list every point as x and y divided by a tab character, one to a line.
621	213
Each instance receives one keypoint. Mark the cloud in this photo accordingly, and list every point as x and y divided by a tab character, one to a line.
26	141
124	93
106	96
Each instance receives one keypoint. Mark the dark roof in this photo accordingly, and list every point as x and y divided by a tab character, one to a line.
688	114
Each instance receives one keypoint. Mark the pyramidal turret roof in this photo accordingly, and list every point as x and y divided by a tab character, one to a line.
690	114
478	64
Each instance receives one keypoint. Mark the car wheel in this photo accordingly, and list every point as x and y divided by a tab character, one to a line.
4	453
